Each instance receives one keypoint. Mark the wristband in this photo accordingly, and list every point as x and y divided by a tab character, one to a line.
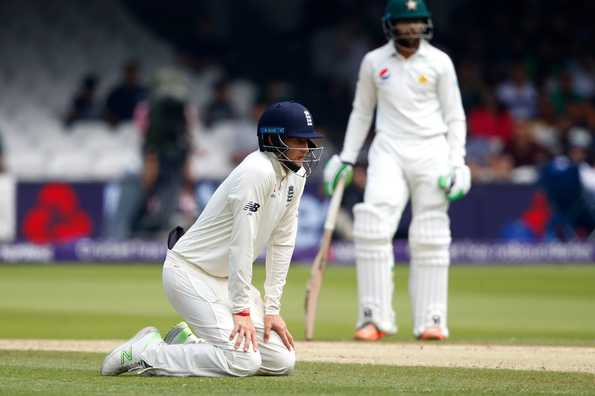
245	312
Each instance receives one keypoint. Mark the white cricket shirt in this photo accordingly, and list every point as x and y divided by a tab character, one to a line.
255	207
415	97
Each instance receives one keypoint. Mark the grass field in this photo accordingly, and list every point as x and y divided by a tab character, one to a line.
545	305
75	374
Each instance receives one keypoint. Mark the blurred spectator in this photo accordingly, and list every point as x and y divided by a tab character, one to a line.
275	91
346	42
472	84
166	152
244	141
546	128
563	95
491	120
220	108
518	94
579	145
123	98
570	189
83	106
522	149
583	77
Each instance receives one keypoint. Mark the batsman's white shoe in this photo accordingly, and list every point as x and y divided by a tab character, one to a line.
181	334
126	357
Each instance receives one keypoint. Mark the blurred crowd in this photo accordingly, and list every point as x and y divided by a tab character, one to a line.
525	70
526	75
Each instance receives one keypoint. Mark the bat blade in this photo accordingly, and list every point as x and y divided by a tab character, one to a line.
319	264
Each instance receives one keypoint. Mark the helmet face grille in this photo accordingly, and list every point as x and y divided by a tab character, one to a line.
407	10
311	157
426	32
280	149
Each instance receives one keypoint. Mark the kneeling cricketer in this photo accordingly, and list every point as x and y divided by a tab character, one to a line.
228	328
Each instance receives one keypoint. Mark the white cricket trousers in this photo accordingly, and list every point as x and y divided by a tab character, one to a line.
400	170
203	301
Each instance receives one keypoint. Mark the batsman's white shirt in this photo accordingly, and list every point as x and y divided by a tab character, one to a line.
415	97
255	207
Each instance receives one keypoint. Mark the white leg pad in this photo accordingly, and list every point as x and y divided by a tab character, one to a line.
429	241
372	235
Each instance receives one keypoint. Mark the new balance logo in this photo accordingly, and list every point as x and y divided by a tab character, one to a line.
126	357
308	117
290	194
251	206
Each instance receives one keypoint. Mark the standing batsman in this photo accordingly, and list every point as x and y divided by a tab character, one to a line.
419	153
207	275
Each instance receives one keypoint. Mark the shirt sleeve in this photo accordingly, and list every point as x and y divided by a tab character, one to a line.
453	113
246	198
278	259
362	112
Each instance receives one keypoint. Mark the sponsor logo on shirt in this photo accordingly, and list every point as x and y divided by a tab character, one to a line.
384	73
290	194
251	206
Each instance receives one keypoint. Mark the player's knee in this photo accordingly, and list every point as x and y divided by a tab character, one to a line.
281	363
429	229
371	225
243	364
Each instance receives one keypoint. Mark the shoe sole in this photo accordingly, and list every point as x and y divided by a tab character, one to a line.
376	336
140	334
432	335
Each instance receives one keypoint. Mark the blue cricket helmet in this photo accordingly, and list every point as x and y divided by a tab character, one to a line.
288	120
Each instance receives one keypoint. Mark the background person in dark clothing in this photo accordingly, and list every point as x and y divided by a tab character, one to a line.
83	106
220	108
124	97
166	150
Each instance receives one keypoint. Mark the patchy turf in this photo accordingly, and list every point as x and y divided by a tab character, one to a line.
70	374
547	305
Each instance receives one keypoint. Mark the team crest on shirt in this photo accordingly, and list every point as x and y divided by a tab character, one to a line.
423	79
384	73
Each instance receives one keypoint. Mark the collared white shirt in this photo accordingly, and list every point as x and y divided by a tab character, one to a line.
255	207
415	97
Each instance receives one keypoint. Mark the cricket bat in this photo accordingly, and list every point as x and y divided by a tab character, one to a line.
319	264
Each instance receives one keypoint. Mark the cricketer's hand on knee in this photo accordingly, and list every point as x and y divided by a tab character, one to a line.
457	183
277	324
334	169
243	330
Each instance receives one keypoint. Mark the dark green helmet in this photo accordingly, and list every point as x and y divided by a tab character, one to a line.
406	9
403	10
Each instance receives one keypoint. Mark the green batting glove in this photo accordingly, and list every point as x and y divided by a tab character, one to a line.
456	184
334	170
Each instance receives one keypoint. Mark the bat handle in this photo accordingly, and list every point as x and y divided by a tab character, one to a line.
331	218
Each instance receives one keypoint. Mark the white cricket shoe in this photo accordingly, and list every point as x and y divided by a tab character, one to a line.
181	334
126	357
